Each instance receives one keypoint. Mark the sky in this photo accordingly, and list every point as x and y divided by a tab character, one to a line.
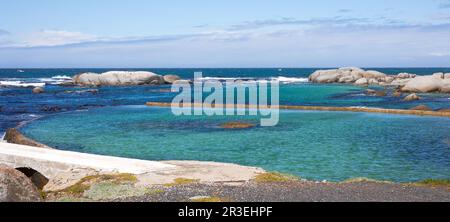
221	34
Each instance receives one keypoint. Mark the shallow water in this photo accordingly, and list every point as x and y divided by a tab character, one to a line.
330	146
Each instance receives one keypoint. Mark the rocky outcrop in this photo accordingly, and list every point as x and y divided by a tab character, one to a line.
38	90
411	97
347	75
170	79
14	136
407	82
16	187
118	78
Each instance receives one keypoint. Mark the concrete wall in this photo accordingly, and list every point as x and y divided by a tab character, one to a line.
52	162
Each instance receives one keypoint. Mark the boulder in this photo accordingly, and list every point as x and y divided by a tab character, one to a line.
118	78
445	87
372	92
423	84
422	108
397	94
16	187
38	90
373	82
347	79
411	97
362	82
439	75
399	82
388	79
325	76
371	74
170	79
87	79
405	75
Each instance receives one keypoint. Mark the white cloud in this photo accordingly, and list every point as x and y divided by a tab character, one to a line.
52	38
439	54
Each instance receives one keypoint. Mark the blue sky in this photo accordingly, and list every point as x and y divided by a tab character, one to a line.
201	33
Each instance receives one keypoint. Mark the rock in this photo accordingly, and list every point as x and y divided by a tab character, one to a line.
411	97
399	82
14	136
93	91
397	94
405	75
445	87
372	92
38	90
51	109
422	108
381	93
423	84
325	76
373	82
170	79
118	78
237	125
182	82
388	79
362	82
347	79
373	75
439	75
444	110
87	79
16	187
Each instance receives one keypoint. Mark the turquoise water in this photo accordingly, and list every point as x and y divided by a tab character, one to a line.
330	146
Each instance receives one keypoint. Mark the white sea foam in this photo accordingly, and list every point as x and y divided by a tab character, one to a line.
290	79
282	79
55	80
21	84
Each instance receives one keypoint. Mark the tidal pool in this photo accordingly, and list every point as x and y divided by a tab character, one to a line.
331	146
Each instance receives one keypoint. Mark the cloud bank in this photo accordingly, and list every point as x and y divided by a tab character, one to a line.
283	42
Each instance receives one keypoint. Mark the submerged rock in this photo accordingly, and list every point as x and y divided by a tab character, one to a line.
118	78
411	97
16	187
237	125
38	90
422	108
93	91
